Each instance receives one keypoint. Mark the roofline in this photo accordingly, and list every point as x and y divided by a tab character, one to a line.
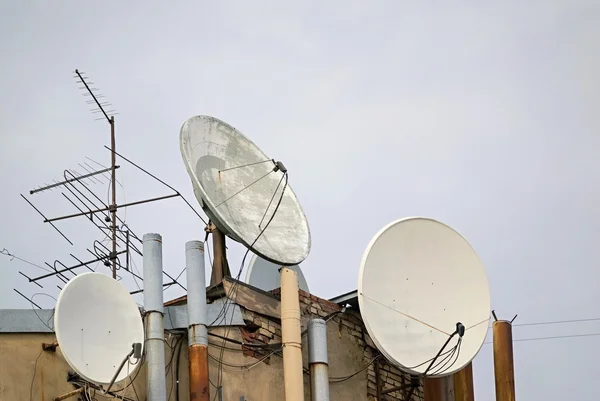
344	298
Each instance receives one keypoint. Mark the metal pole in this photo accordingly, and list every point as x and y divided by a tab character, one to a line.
317	359
503	361
113	164
220	268
463	384
293	379
153	305
197	321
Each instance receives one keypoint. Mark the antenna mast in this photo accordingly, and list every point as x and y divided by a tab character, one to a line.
113	205
113	163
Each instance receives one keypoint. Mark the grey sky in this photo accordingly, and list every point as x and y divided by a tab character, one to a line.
484	116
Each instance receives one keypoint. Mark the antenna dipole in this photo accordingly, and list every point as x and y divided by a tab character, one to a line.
113	167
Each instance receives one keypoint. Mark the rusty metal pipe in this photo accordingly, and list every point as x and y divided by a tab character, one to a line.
220	268
503	361
433	389
197	321
198	368
463	384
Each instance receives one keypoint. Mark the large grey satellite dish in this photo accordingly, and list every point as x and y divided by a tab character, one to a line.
239	187
96	323
265	275
418	279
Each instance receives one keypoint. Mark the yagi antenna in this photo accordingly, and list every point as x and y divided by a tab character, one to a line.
76	178
75	188
113	165
93	92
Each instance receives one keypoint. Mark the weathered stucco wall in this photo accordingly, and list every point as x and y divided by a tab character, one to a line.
18	356
244	370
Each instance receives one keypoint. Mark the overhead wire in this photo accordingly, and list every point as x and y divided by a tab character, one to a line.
551	337
159	180
6	252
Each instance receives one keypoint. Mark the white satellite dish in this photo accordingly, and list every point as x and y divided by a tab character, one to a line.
418	279
96	323
265	275
239	187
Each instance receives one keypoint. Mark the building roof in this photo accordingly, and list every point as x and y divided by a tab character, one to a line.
349	298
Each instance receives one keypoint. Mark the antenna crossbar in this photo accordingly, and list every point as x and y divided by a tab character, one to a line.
42	214
109	208
79	178
31	301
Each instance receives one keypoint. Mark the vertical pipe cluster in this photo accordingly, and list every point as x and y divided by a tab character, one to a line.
463	384
317	359
197	321
153	305
503	361
291	336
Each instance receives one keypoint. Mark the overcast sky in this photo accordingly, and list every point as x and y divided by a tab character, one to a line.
482	116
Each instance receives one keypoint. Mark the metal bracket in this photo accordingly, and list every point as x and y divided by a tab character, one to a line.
50	346
210	227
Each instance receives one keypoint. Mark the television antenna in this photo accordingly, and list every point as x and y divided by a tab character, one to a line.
75	188
113	163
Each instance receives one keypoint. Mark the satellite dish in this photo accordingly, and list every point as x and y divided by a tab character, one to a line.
265	275
239	187
96	323
418	279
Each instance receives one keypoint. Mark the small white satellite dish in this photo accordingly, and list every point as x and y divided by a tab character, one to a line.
96	323
265	275
239	188
418	279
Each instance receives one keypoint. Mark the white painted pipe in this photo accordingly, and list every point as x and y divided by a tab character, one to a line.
196	293
317	359
291	336
153	305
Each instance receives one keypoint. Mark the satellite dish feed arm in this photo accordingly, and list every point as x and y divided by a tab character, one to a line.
460	330
136	352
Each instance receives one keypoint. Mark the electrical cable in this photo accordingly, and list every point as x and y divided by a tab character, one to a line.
457	350
177	372
440	366
344	378
47	323
34	372
234	286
